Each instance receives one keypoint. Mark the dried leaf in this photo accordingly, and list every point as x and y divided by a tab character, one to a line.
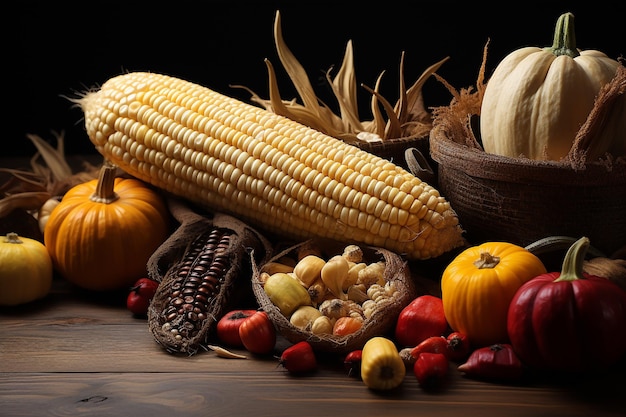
21	181
463	104
415	105
30	201
294	69
407	120
30	189
393	128
54	158
400	109
378	122
344	87
295	111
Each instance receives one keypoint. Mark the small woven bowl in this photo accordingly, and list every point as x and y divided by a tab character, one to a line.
380	323
394	149
521	201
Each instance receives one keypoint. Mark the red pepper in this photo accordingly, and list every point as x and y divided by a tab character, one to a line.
431	369
569	321
299	358
352	363
419	320
458	346
433	344
497	362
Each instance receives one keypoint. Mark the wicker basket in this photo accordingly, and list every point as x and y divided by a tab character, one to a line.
381	322
394	149
521	201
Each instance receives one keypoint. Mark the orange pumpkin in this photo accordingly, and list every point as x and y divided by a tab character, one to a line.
478	286
103	231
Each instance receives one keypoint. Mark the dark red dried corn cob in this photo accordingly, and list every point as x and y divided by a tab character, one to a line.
197	282
195	291
207	272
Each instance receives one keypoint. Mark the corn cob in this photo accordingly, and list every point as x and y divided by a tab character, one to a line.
206	264
265	169
196	283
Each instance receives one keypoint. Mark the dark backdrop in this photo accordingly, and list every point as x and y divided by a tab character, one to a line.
54	50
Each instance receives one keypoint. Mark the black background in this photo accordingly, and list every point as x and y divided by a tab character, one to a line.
53	50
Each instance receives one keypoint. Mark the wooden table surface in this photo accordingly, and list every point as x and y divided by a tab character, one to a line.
74	354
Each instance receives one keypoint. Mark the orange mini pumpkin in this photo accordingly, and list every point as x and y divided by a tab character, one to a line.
102	233
478	285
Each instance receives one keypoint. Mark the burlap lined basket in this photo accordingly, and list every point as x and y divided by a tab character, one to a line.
520	200
380	323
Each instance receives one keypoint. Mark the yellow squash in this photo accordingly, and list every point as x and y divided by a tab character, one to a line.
382	367
477	287
25	270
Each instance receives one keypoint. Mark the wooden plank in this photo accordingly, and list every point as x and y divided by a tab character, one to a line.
76	354
272	393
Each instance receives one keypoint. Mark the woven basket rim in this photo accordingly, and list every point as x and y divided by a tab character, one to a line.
477	163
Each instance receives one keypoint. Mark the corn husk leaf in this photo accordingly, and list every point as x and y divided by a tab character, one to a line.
296	72
407	119
50	176
344	87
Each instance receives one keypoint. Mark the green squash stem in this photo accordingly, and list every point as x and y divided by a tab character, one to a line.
564	37
572	268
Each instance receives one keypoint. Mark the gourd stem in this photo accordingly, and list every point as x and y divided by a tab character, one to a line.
13	237
564	37
105	188
572	268
486	260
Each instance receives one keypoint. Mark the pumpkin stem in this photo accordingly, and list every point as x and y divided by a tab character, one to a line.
564	37
572	268
486	260
105	188
13	237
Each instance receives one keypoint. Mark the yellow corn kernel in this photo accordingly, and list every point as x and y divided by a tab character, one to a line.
265	169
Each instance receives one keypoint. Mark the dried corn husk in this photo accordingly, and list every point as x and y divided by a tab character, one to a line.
29	190
408	122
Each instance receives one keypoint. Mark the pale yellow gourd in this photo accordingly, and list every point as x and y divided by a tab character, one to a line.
26	270
308	269
334	273
286	293
537	98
